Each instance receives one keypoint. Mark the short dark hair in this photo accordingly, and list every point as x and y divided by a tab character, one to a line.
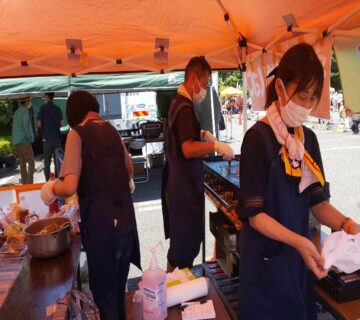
232	100
50	95
299	64
78	105
199	65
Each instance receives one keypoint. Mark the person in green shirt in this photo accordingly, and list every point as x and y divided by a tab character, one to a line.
22	137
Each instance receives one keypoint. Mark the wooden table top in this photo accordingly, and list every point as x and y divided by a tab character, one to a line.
344	311
40	283
134	310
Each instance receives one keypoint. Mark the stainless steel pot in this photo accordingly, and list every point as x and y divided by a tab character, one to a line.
49	244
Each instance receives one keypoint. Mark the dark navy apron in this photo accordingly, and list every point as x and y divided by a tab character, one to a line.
184	194
274	283
104	196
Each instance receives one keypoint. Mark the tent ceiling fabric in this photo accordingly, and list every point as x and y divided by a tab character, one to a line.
119	36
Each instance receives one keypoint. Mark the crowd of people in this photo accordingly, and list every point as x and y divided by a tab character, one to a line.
233	106
282	180
28	127
341	116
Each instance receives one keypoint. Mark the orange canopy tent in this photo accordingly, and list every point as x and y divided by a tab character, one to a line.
41	37
120	36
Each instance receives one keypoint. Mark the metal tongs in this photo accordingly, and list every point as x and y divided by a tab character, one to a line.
229	166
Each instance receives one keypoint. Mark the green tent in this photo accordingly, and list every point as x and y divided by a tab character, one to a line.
99	83
164	84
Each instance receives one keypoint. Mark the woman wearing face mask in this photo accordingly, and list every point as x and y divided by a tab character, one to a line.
282	178
98	167
182	187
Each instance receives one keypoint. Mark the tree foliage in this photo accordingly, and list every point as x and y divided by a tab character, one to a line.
230	79
335	75
6	112
5	115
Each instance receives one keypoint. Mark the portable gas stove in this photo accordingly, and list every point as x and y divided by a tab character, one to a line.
341	286
222	183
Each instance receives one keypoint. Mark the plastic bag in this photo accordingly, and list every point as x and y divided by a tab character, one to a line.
75	305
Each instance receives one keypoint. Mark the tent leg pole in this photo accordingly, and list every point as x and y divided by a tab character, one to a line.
244	102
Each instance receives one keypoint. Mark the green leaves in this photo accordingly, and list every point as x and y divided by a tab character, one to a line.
229	79
6	147
5	115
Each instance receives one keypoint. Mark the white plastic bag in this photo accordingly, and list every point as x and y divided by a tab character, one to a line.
342	250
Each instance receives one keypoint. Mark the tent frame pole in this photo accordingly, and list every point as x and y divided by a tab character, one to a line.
343	19
244	83
305	30
345	33
277	39
95	68
49	69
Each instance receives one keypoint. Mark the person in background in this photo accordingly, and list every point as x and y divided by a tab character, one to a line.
342	114
183	187
355	121
98	167
282	178
232	109
225	107
22	138
348	116
239	107
50	120
33	121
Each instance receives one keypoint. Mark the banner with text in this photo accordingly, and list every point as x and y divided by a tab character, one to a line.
259	66
347	50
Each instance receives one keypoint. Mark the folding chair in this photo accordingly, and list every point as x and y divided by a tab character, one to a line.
139	160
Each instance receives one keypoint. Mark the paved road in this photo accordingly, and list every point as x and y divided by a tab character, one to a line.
340	152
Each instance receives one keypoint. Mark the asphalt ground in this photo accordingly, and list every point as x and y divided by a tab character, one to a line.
340	153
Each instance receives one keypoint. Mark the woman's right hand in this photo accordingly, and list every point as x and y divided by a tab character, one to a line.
312	258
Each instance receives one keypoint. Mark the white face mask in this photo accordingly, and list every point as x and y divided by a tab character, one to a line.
293	114
200	96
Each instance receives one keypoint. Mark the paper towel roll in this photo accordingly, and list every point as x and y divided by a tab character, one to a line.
186	291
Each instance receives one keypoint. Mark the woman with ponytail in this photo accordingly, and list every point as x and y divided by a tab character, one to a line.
282	180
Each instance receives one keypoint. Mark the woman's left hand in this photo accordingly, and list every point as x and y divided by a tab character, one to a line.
312	258
47	194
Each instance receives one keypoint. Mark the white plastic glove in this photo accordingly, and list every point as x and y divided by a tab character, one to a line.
209	137
225	150
47	192
132	185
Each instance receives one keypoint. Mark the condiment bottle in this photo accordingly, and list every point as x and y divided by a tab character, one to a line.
53	207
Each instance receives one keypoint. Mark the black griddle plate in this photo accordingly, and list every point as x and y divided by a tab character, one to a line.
221	168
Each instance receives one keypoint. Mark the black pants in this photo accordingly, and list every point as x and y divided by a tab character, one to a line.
355	126
108	275
49	151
